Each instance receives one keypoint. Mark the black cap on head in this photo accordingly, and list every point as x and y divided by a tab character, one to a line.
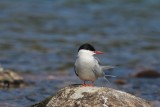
86	46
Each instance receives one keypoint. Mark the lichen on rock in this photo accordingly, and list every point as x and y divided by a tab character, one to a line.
78	96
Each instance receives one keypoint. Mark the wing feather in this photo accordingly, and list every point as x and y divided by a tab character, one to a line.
97	68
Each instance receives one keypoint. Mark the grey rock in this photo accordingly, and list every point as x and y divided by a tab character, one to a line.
78	96
10	79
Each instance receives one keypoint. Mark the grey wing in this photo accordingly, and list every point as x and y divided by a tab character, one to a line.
97	69
97	60
104	67
75	68
107	67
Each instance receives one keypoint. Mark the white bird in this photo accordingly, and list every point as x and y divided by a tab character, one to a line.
87	66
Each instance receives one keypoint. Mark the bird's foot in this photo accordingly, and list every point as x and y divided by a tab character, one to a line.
85	85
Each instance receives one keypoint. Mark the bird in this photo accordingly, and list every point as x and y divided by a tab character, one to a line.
87	66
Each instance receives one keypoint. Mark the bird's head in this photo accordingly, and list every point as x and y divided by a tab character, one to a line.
88	49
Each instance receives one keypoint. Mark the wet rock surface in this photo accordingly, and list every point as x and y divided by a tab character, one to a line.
10	79
77	96
147	73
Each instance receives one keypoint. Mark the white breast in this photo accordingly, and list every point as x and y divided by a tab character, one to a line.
85	66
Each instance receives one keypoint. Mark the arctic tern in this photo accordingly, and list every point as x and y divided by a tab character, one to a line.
87	66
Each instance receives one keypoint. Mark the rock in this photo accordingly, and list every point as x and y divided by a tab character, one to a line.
147	73
9	79
121	81
78	96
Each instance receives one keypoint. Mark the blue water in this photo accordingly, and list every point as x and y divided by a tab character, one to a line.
42	37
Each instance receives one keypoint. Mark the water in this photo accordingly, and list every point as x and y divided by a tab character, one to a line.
39	39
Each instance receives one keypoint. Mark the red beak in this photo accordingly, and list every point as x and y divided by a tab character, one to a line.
98	52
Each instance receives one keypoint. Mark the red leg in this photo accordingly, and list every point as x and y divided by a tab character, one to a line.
92	84
84	84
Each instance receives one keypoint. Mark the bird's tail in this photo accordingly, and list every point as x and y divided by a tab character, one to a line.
107	67
106	76
109	76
